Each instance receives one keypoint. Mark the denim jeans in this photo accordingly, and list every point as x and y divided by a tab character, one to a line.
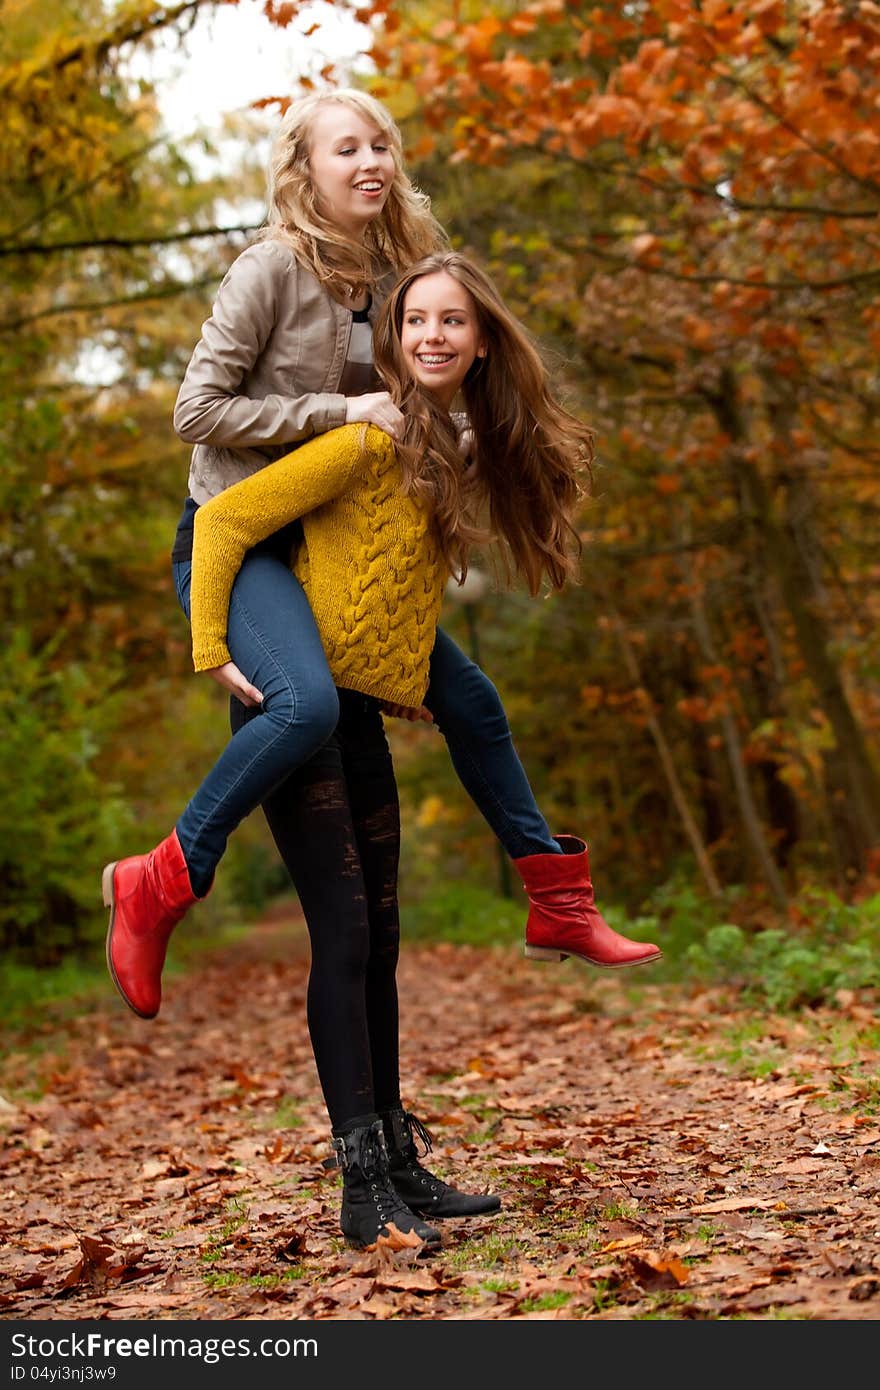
467	710
272	638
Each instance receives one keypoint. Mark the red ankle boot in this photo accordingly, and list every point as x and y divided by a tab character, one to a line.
147	896
563	917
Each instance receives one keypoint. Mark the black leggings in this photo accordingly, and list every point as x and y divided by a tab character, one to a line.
336	822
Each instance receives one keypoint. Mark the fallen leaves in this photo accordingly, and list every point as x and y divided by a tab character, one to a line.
156	1176
392	1238
100	1265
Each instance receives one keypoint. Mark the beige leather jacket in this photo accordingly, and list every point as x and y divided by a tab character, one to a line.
265	373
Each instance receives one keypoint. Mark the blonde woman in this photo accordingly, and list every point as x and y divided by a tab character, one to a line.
286	356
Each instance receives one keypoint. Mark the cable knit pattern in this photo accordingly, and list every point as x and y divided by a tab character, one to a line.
370	564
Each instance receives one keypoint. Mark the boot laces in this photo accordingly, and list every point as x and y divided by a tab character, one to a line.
413	1123
371	1157
424	1176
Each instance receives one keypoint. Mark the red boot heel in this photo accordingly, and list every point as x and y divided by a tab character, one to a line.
543	953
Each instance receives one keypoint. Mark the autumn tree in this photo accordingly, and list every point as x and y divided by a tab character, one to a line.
109	249
697	236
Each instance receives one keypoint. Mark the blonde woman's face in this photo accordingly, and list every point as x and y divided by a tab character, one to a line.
352	168
440	334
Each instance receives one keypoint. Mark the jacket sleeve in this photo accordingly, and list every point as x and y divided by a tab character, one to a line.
240	516
209	407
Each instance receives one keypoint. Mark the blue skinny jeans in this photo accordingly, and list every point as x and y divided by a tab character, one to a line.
272	638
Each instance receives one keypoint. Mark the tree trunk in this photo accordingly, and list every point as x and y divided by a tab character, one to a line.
667	763
747	809
858	781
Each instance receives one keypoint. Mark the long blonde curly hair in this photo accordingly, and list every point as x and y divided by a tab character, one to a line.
404	231
532	459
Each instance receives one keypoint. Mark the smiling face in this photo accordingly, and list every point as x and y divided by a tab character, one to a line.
440	334
351	166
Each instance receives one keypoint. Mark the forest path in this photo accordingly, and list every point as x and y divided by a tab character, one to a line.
660	1152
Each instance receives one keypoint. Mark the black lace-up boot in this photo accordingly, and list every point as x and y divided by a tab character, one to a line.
373	1213
424	1193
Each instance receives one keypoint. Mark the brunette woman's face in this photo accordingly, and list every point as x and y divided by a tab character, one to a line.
440	334
352	167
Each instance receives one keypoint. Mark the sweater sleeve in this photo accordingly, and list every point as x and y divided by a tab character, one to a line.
209	407
237	518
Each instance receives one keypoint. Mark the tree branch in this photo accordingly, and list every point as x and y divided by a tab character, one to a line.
35	248
91	306
130	33
787	124
728	201
131	158
784	286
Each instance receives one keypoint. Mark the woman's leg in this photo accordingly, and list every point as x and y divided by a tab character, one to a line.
337	827
309	826
469	714
310	819
352	987
563	917
375	814
273	639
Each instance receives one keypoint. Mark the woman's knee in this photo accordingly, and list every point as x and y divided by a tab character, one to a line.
305	709
273	639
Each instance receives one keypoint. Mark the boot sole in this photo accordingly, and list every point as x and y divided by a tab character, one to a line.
549	953
110	901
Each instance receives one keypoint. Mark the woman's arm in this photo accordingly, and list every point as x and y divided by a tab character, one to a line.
209	408
237	518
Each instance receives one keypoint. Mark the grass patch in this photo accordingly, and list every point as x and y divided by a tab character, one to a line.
620	1211
223	1279
546	1302
274	1281
666	1305
466	914
37	999
32	996
214	1249
604	1296
500	1285
287	1115
485	1253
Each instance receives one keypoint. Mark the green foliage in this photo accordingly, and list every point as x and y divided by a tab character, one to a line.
91	474
59	819
789	969
33	998
675	915
824	946
465	914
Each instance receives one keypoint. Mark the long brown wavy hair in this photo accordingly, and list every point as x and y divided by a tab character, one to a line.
405	229
531	457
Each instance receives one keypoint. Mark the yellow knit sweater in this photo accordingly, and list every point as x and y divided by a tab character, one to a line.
370	565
